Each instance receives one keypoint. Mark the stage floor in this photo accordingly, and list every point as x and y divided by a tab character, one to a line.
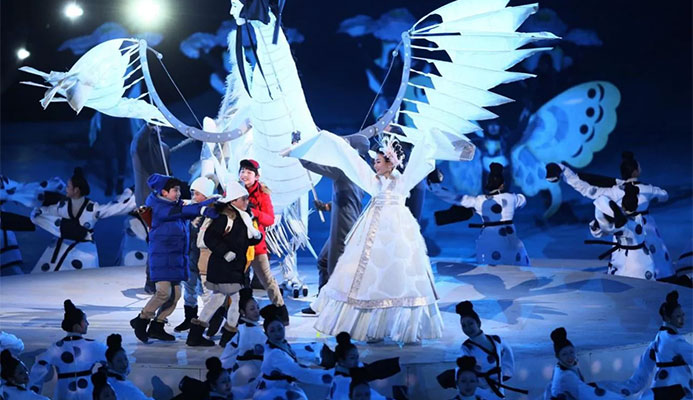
609	319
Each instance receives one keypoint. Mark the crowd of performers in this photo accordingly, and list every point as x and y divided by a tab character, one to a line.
259	363
203	249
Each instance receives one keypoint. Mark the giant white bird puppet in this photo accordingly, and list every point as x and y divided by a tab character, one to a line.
264	103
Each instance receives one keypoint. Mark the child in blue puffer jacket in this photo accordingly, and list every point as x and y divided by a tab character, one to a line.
168	252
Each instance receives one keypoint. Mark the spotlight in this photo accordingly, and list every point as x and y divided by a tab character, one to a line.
73	10
147	12
23	53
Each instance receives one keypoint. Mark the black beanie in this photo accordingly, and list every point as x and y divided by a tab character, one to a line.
269	313
79	181
559	336
495	177
8	365
466	309
628	164
73	315
670	305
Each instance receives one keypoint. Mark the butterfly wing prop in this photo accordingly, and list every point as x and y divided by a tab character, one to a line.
569	128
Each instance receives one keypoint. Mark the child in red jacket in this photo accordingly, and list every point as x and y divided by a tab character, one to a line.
263	211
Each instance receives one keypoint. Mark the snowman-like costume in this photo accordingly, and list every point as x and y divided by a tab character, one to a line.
498	242
630	253
72	358
125	389
494	366
240	354
648	193
68	252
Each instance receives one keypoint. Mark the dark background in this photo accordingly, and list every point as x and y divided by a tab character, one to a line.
646	54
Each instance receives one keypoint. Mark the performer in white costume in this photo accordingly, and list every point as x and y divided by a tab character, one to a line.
281	368
498	242
382	285
630	255
495	363
243	354
118	370
665	366
15	377
466	379
71	357
630	173
72	221
567	381
349	368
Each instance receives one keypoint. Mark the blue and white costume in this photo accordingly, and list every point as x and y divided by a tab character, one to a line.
493	366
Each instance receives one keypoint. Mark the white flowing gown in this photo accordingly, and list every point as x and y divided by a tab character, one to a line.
382	286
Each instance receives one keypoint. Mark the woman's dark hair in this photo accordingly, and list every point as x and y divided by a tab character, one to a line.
72	317
9	365
80	182
214	370
343	345
465	363
628	165
466	309
495	177
630	199
100	381
114	343
670	305
246	294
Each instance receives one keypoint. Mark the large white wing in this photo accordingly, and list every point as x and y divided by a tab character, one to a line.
469	49
98	80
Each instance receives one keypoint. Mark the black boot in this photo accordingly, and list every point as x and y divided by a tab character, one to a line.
284	315
190	313
140	327
216	321
226	336
156	331
195	338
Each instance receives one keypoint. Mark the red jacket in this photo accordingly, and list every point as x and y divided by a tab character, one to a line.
262	210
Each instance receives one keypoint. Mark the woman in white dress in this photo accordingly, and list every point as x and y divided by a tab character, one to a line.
382	285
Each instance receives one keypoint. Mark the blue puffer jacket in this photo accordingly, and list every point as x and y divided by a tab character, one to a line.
168	236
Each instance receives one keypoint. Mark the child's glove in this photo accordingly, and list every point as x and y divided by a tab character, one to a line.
210	212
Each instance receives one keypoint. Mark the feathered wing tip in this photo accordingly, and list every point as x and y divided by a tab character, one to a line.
99	80
480	38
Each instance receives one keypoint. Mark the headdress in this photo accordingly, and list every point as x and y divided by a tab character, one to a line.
391	149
